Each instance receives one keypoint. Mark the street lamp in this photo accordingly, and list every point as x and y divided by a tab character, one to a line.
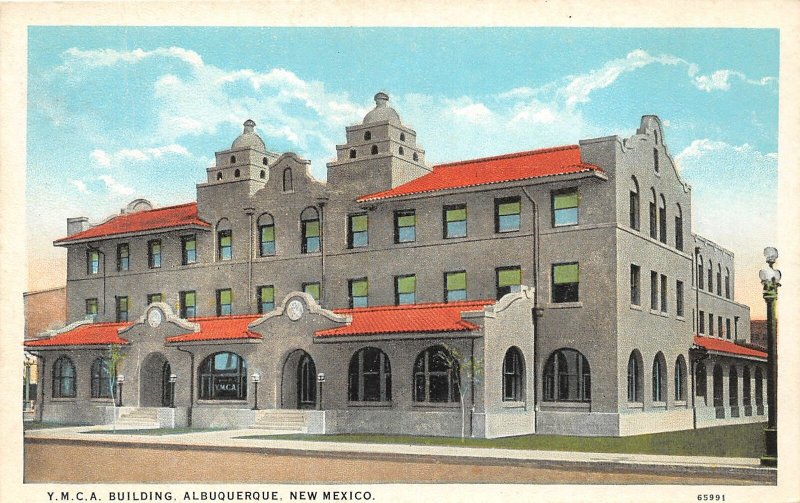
27	391
256	379
120	380
320	380
771	280
172	379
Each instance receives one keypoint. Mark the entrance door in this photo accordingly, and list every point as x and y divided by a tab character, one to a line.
166	389
306	383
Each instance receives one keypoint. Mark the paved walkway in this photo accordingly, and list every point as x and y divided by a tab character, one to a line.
230	440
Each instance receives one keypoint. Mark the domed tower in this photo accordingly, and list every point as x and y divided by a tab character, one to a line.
247	159
380	153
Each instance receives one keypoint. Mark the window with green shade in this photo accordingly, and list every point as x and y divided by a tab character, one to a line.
188	301
508	279
405	226
565	208
154	297
455	286
122	308
91	306
507	214
359	292
565	282
123	257
266	299
357	231
188	250
455	221
225	240
266	235
92	261
311	231
313	289
224	298
405	289
154	253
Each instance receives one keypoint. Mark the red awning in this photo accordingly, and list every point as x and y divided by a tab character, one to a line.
92	334
220	328
723	346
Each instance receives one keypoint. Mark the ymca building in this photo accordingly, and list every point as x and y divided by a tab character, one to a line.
557	291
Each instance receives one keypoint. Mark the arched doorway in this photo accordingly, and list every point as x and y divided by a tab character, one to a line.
154	388
299	381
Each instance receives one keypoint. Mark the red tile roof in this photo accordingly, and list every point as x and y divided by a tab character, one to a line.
92	334
504	168
220	328
161	218
424	318
723	346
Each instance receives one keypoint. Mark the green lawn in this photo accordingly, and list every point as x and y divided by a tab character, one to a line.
745	441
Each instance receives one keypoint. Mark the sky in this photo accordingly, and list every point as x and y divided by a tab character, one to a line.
116	113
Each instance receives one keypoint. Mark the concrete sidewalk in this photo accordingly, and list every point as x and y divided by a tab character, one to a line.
230	440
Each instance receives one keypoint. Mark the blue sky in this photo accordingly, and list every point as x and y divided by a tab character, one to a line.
116	113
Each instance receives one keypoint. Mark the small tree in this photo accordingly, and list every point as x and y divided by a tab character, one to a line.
471	366
115	359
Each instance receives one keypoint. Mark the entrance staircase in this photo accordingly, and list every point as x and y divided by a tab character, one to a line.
142	418
284	420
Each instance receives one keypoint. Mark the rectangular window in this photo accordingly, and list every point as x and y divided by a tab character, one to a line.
91	306
728	328
266	238
633	210
653	224
565	208
188	250
225	245
266	299
405	289
702	319
663	294
188	304
727	286
313	289
154	297
636	286
662	224
710	279
122	309
455	221
565	282
653	291
224	298
710	324
92	261
311	236
357	231
507	214
154	253
123	257
719	327
358	290
679	309
455	286
508	280
679	232
405	226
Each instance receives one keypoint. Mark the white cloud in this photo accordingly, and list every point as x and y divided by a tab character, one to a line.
74	57
100	158
472	112
104	159
80	186
115	186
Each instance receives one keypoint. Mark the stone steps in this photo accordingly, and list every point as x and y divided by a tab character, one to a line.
138	419
280	420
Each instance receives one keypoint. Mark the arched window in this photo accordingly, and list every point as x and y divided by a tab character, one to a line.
223	376
101	379
719	280
655	159
680	378
567	377
287	180
733	387
678	227
370	376
219	175
224	240
659	378
63	378
700	272
759	387
309	220
700	382
513	375
402	137
306	382
662	219
635	391
436	376
718	400
401	151
747	399
265	162
233	159
415	156
633	207
352	153
374	149
237	173
266	235
263	174
710	276
367	135
653	215
727	283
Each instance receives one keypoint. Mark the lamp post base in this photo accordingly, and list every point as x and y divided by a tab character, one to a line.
771	443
